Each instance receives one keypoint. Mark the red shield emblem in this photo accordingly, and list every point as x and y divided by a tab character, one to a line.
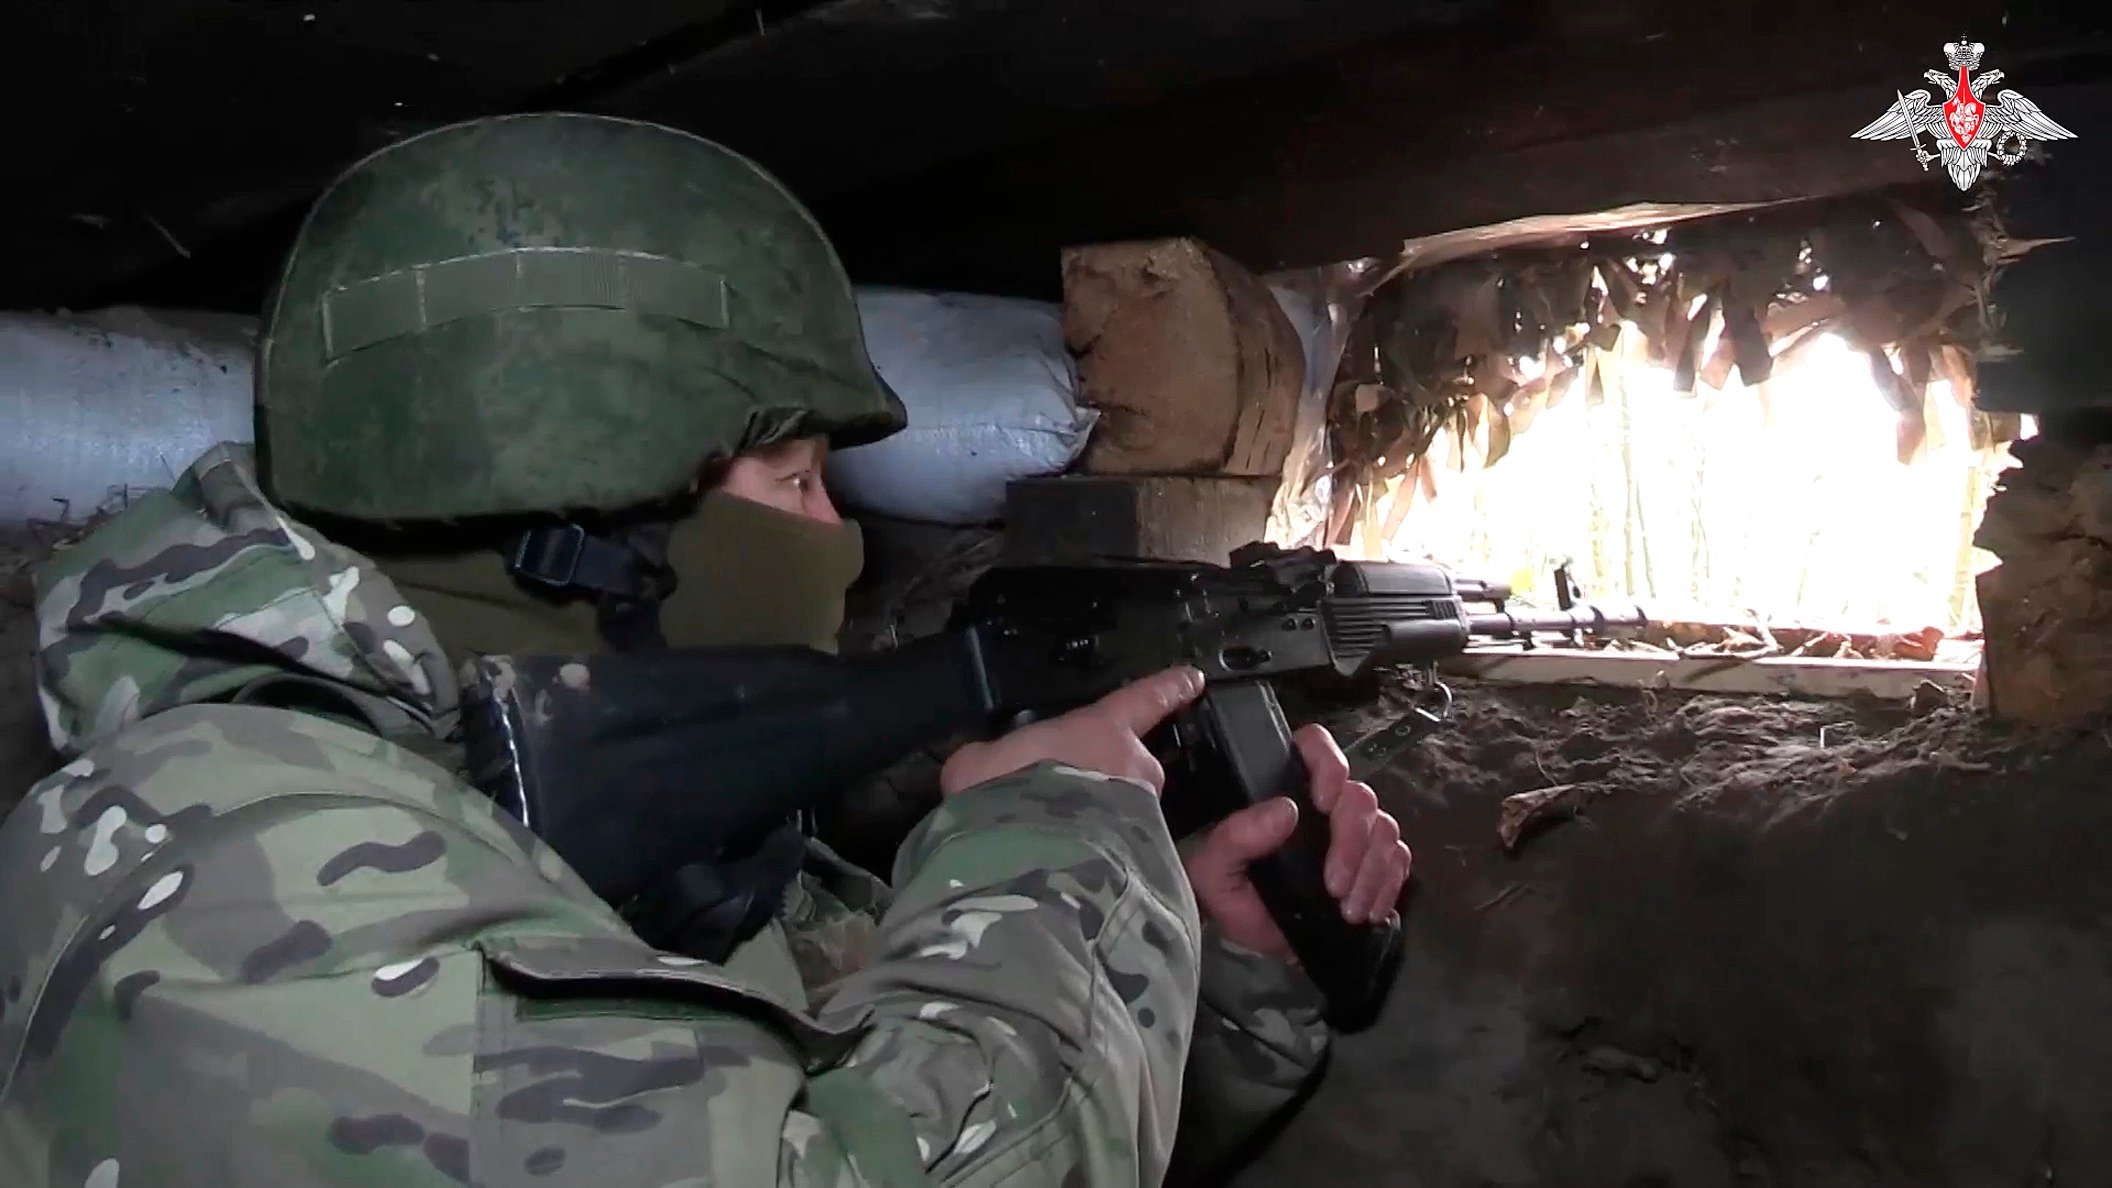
1962	115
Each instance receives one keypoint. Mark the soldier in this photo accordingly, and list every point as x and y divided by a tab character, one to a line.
563	384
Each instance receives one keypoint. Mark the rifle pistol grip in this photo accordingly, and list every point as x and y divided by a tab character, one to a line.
1249	756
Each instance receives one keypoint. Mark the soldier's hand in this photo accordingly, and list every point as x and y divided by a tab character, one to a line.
1367	864
1106	736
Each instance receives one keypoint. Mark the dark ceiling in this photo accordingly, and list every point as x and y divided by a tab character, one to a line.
964	142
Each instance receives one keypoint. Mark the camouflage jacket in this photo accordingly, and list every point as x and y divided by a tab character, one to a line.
248	945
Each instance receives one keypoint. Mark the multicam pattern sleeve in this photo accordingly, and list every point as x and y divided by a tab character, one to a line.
1260	1044
246	946
1025	1054
1260	1039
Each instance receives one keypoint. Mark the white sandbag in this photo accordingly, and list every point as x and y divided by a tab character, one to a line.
98	403
991	398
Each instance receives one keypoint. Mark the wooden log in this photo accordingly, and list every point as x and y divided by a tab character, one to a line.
1751	636
1893	680
1188	357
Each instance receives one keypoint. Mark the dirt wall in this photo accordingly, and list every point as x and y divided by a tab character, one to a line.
2048	605
1811	944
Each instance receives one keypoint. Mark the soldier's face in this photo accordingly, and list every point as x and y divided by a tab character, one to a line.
786	476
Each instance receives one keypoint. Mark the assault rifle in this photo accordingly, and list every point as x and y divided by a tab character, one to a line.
636	766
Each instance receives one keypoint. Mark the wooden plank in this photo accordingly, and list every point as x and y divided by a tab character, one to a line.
1894	680
193	121
1703	104
2056	361
991	238
1428	251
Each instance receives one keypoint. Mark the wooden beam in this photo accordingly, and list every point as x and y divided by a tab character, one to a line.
1759	154
1402	140
2056	361
1892	680
191	120
222	119
1547	231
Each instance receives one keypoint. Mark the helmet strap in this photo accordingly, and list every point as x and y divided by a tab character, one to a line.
626	573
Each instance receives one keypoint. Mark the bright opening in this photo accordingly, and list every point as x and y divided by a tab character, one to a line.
1784	503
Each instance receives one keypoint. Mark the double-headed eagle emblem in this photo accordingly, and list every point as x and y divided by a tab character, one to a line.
1967	129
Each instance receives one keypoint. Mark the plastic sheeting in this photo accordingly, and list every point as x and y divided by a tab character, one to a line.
121	399
1322	304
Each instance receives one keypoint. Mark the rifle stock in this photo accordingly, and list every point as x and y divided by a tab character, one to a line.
632	765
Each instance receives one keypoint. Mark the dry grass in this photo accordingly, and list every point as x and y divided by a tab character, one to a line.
1478	348
23	548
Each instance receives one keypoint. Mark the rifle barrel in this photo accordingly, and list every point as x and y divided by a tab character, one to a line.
1584	617
1419	640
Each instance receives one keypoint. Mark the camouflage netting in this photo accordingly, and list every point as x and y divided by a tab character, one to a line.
1479	347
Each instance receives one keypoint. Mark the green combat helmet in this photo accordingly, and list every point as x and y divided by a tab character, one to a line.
551	313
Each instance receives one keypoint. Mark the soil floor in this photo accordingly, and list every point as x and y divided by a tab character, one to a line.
1761	943
1777	943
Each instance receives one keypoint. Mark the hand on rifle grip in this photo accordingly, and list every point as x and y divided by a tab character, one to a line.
1320	877
1367	863
1104	737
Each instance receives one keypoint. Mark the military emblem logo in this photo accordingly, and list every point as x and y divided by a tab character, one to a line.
1966	129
